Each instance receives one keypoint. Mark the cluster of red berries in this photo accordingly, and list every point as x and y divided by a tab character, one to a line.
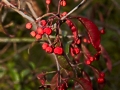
101	78
90	60
40	30
50	49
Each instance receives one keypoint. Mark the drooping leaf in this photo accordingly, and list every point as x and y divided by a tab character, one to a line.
72	27
92	30
96	72
84	84
86	76
41	78
107	58
86	52
54	82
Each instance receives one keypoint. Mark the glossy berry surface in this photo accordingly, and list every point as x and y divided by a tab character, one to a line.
58	50
48	2
29	25
33	33
38	36
48	30
49	49
102	74
88	62
76	50
44	45
40	30
100	80
43	22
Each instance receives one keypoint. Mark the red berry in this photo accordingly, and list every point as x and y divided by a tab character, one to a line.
58	50
43	22
102	31
40	31
48	30
76	50
33	33
29	25
102	75
64	13
88	62
100	80
85	40
48	2
91	59
45	45
38	36
49	49
63	3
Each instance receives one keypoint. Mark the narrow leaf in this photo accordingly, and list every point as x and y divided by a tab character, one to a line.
106	57
92	30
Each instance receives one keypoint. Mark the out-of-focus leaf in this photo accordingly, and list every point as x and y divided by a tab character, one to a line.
2	71
107	58
41	78
96	72
86	76
32	65
24	73
86	52
54	82
15	75
84	84
67	46
92	30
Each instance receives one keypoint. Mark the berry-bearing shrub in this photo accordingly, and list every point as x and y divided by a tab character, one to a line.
70	72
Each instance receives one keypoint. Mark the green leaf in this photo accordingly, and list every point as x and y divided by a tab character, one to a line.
2	71
24	73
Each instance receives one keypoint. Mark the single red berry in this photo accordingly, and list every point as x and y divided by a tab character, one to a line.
45	45
91	59
63	3
85	40
58	50
88	62
38	36
102	75
29	25
49	49
102	31
48	30
100	80
48	2
33	33
40	30
76	50
43	22
63	14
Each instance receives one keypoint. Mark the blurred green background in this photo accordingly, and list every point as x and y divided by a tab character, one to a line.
18	68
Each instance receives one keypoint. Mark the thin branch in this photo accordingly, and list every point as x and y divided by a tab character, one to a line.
18	11
74	9
31	9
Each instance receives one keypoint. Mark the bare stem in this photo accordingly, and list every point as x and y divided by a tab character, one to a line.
74	9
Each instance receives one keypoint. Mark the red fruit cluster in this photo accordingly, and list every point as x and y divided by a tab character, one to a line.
63	3
47	48
74	51
101	78
40	30
62	87
90	60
